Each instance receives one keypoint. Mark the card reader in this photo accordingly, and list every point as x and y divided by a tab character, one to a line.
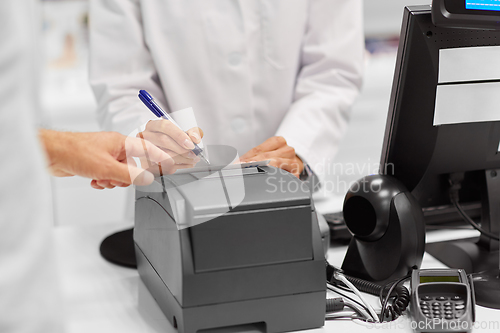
442	301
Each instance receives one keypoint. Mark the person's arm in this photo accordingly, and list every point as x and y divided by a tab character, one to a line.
104	157
328	81
121	65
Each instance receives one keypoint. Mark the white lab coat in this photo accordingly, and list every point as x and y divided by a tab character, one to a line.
251	69
28	285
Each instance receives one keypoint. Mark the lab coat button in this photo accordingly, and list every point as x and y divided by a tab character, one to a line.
238	124
235	58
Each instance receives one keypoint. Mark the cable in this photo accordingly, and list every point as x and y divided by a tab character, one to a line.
342	316
359	310
363	310
386	300
342	278
335	307
334	304
342	287
338	304
448	227
401	293
334	274
366	286
455	181
334	289
471	221
401	299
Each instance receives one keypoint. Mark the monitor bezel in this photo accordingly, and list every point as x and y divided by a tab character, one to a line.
453	13
460	7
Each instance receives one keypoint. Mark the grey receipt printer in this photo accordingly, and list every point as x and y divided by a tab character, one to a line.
211	263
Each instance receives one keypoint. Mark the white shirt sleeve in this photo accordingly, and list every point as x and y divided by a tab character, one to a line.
116	28
328	82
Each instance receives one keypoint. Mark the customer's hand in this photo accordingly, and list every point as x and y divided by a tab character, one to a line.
105	157
174	141
279	152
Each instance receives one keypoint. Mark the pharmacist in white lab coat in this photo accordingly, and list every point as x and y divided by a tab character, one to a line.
29	291
28	284
251	69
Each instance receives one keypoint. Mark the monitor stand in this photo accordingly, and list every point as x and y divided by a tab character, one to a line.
478	256
118	248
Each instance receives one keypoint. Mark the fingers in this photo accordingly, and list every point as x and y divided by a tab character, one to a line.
156	170
291	166
150	157
286	152
175	133
93	183
281	155
273	143
180	162
136	147
165	135
184	158
282	159
195	134
102	184
165	142
114	172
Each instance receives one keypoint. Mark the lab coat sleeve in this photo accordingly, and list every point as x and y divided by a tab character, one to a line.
328	82
120	65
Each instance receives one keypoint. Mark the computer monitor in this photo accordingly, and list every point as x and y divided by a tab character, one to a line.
444	123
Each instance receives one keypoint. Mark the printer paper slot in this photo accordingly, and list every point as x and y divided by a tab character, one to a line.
228	173
213	168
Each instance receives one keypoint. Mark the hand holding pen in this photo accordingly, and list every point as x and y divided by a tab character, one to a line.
167	135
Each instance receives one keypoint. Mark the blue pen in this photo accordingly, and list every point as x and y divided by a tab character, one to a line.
148	100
